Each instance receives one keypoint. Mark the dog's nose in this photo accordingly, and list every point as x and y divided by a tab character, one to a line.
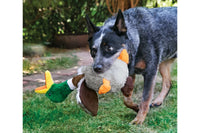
98	68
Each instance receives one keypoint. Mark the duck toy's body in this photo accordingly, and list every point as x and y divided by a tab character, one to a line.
88	83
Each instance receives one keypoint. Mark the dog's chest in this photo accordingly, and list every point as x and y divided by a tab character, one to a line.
140	66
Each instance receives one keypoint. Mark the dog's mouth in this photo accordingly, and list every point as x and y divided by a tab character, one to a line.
99	72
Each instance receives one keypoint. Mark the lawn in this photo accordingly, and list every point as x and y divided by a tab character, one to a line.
37	66
42	115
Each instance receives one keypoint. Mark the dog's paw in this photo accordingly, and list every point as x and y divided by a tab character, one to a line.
155	104
138	120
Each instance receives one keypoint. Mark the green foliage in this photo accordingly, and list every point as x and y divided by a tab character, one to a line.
30	67
174	71
160	3
166	113
26	64
43	19
42	115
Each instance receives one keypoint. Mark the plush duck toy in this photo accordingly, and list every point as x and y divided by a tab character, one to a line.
88	83
111	80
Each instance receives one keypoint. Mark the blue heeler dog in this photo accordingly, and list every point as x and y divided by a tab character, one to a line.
150	37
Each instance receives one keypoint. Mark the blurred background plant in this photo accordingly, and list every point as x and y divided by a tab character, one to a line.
43	19
40	65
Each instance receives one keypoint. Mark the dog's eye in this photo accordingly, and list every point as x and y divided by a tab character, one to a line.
108	48
93	52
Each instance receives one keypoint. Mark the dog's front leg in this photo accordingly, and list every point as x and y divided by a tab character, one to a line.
127	91
149	84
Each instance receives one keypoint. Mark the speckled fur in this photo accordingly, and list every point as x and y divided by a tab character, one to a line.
150	35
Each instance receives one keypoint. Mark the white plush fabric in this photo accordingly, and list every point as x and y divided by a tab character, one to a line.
117	75
71	85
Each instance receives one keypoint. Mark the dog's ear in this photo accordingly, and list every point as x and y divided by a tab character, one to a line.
91	27
120	26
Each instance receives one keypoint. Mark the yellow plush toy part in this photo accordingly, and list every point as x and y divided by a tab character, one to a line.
106	83
48	83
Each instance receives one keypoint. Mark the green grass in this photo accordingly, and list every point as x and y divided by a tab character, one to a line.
42	115
30	67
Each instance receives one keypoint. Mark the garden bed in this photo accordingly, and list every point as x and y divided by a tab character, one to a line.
70	41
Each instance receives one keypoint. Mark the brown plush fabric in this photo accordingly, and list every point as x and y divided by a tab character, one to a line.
128	87
89	99
76	79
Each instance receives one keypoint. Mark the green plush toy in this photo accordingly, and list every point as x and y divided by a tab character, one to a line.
55	92
58	92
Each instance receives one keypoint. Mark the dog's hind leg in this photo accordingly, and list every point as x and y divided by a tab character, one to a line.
164	68
127	91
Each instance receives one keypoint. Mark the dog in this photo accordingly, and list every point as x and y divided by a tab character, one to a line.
150	37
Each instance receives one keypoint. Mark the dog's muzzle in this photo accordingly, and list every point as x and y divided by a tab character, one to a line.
98	68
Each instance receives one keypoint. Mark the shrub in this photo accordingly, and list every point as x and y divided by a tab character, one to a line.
43	19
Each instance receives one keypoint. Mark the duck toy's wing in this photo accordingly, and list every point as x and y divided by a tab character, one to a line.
87	98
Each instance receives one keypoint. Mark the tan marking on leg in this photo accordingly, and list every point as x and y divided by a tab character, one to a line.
141	64
143	110
164	68
76	79
127	91
144	106
128	101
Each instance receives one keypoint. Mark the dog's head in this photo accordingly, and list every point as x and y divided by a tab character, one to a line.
106	42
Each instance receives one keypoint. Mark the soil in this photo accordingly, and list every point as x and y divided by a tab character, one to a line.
33	81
